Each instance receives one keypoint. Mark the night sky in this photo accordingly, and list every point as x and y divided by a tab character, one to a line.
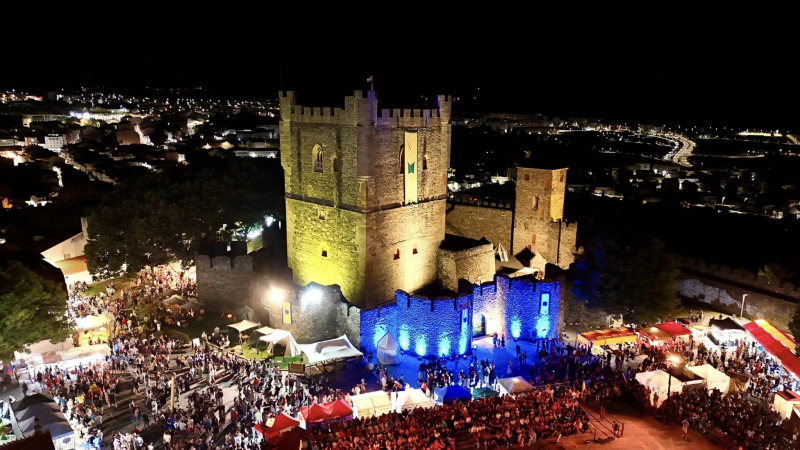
735	66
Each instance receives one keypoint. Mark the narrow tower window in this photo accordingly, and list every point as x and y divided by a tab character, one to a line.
319	156
402	159
336	166
424	163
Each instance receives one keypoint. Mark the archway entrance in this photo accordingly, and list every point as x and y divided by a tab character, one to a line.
478	325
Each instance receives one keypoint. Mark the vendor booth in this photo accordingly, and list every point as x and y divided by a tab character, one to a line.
675	331
25	413
775	342
784	402
319	412
243	326
609	336
284	338
660	382
329	351
514	386
653	336
451	394
92	330
371	404
739	382
726	331
714	378
175	300
280	425
388	349
412	399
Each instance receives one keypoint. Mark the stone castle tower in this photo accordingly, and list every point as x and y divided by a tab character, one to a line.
365	194
539	216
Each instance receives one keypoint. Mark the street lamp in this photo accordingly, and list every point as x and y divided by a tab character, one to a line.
673	360
741	313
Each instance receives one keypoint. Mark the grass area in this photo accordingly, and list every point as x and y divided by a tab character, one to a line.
206	323
100	286
252	353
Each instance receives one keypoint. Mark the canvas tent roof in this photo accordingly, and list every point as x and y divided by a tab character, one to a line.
515	385
452	393
244	325
192	305
609	336
29	400
319	412
284	338
282	424
714	378
371	404
775	342
330	350
654	334
388	349
784	401
673	329
726	324
412	398
264	330
33	410
89	322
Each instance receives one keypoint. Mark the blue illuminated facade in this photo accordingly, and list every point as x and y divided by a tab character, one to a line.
516	307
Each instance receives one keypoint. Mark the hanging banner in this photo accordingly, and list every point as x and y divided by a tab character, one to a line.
287	312
411	167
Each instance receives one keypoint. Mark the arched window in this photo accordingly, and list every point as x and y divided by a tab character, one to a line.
336	166
319	157
424	162
402	159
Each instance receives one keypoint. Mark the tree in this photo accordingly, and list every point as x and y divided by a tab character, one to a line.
33	309
794	325
775	274
627	272
159	217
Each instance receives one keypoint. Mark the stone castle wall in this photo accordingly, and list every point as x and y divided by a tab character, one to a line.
723	288
327	316
340	235
538	215
444	325
225	283
476	222
476	265
352	209
415	231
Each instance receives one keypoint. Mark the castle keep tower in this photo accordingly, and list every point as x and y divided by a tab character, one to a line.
365	194
539	214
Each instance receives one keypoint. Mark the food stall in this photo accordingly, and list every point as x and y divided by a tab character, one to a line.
726	331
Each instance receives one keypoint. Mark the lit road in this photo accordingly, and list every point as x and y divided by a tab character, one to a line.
681	156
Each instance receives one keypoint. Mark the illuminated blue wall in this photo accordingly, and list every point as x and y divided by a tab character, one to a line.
444	326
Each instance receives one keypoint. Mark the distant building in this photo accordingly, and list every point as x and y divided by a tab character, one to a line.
55	141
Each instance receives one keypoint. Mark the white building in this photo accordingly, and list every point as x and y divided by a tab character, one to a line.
55	141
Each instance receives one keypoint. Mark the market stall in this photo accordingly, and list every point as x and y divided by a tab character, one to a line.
660	382
243	326
675	331
784	402
284	338
777	343
514	386
412	399
653	336
371	404
726	331
451	394
329	351
609	336
714	378
319	412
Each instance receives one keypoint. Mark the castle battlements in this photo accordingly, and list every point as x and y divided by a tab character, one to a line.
243	263
363	111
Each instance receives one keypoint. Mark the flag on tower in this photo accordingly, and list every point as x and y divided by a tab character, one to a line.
369	80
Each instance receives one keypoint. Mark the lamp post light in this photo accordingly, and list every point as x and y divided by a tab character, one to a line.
672	361
741	313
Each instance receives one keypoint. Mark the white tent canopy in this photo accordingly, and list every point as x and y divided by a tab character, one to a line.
284	338
714	378
90	322
388	349
514	385
412	398
784	401
244	325
371	404
658	381
264	330
331	350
